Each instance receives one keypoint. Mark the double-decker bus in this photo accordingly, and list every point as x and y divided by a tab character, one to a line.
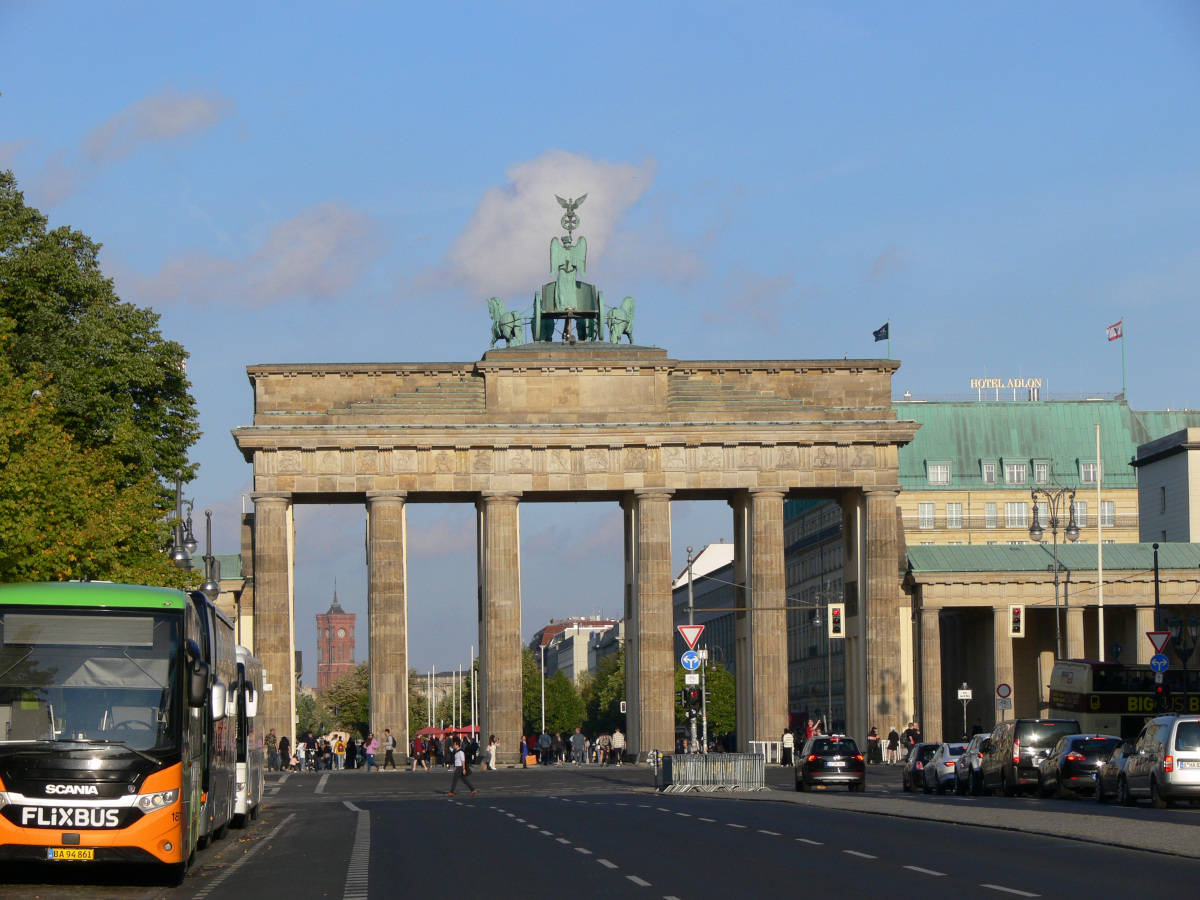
251	755
115	744
1114	698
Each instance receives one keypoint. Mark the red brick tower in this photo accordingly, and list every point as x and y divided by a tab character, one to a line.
335	643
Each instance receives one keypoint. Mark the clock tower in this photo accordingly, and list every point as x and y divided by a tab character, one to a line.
335	643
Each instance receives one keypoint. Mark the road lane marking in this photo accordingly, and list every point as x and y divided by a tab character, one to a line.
643	806
685	815
583	851
321	783
522	821
772	833
662	809
1008	890
562	840
925	871
638	881
216	882
511	815
548	833
734	825
360	857
863	855
707	820
283	778
534	827
607	864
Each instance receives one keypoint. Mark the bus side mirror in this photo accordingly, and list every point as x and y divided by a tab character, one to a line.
218	701
197	677
251	702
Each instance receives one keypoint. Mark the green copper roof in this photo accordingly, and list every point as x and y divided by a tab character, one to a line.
231	565
1064	432
91	594
1036	557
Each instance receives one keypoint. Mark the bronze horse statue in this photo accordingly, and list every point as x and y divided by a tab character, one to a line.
620	321
506	326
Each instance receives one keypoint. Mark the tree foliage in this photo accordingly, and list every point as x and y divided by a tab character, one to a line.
722	700
119	384
531	692
603	695
347	700
418	703
564	707
311	716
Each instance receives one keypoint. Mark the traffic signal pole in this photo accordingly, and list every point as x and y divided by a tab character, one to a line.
692	714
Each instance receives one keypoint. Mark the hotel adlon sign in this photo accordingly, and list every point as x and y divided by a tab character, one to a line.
988	383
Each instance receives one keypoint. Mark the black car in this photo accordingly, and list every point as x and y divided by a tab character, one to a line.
1072	764
1015	751
828	760
913	773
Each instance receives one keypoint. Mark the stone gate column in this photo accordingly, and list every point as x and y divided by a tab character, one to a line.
273	635
1075	632
931	675
768	714
649	623
1143	622
387	614
1002	654
500	619
879	609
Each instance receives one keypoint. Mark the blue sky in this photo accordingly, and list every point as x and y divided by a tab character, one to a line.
290	182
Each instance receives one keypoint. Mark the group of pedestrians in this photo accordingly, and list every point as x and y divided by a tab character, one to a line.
577	749
334	753
887	749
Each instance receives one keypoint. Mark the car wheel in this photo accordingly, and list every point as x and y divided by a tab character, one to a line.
804	786
1100	795
906	785
960	786
1123	796
941	786
860	788
799	785
1006	788
1061	791
1042	790
976	779
1157	800
925	788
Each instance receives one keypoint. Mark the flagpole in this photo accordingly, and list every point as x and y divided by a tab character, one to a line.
889	324
1124	394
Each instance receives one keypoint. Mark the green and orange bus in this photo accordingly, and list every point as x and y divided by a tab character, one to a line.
118	712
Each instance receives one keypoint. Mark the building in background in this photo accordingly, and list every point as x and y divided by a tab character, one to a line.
1169	487
564	644
335	643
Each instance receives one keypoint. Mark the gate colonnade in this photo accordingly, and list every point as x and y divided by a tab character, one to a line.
555	422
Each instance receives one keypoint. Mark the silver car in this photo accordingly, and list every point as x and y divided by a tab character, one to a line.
967	778
1165	763
939	771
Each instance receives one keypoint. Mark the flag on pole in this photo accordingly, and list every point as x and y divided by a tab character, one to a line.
1114	331
882	333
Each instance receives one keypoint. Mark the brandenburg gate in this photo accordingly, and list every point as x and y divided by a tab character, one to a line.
585	419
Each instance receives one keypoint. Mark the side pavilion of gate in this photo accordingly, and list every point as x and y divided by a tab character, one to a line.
552	422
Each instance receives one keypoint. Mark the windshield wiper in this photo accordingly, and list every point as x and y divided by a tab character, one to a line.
121	744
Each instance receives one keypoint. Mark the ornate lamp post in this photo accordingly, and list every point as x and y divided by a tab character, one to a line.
212	566
183	542
1055	502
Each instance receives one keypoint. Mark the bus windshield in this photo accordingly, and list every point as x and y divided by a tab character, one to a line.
98	676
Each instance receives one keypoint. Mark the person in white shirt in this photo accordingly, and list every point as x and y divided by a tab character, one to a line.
618	745
460	770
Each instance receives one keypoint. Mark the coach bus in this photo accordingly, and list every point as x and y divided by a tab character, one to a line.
1114	698
251	756
114	744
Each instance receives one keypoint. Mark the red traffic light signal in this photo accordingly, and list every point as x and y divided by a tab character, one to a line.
691	697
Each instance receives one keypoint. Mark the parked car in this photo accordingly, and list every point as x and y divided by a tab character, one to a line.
912	773
1111	771
1071	766
1165	763
830	760
1016	749
939	771
966	767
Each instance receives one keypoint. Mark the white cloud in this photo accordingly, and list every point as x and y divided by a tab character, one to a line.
316	255
504	250
160	117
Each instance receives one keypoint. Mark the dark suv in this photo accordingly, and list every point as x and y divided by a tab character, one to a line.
830	760
1015	751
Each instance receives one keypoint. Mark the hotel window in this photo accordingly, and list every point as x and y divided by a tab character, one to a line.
1041	472
1088	472
954	515
1081	514
1014	473
1016	515
992	543
954	543
989	473
925	515
1108	513
939	473
1017	543
989	515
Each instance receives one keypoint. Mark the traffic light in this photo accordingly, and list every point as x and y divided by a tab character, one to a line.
691	698
837	628
1016	614
1162	697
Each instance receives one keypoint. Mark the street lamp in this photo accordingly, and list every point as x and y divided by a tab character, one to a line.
1054	501
183	543
1184	649
212	566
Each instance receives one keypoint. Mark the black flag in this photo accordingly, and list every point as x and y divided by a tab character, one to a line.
882	333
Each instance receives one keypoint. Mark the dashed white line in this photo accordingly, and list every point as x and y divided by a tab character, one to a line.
548	833
1008	890
643	806
707	820
638	881
607	864
511	815
862	855
522	821
925	871
807	841
534	827
685	815
321	783
772	833
562	840
662	809
583	850
734	825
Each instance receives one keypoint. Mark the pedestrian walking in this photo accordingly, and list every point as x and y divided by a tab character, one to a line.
285	753
461	770
893	746
418	754
618	745
544	743
389	749
493	746
789	745
370	748
874	755
578	746
339	753
271	743
604	748
351	753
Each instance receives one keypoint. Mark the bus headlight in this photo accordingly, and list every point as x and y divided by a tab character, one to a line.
3	799
157	800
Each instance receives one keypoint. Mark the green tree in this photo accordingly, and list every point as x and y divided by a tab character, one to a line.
120	385
70	512
311	716
605	693
418	703
531	692
722	701
564	707
348	700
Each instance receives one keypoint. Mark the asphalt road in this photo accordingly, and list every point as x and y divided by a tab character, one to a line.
605	833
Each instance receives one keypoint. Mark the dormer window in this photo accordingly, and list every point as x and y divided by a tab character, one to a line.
939	472
1089	472
1014	473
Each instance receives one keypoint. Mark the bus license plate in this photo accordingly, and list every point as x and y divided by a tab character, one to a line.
70	853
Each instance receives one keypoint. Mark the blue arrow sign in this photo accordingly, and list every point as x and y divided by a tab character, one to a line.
1158	663
690	660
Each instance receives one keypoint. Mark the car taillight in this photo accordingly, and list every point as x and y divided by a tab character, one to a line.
920	765
858	756
979	755
948	762
812	757
1075	757
1016	751
1168	764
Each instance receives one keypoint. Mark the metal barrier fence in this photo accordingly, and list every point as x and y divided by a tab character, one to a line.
713	772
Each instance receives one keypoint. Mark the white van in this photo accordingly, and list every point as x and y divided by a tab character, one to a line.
1164	764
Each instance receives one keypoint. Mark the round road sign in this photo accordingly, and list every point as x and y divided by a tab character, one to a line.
690	660
1003	690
